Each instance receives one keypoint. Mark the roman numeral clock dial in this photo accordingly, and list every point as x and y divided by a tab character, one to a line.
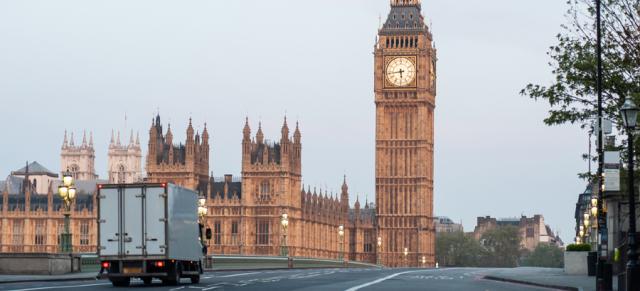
401	72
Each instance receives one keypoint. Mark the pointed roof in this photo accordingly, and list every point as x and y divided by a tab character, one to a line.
405	15
34	168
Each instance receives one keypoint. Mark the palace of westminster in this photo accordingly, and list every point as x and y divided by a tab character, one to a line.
244	212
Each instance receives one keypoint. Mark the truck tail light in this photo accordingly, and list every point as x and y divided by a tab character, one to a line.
159	264
106	265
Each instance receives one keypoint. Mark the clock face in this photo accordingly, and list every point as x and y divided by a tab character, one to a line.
401	72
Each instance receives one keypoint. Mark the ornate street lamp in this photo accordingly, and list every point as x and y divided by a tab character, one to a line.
379	249
284	221
341	241
406	252
202	214
629	114
67	192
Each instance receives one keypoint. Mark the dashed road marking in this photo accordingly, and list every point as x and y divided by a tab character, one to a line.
241	274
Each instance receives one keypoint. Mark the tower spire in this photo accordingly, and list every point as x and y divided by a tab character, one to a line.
65	142
259	134
84	138
91	138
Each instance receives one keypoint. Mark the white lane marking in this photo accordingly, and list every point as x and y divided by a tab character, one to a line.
214	287
241	274
387	278
60	287
208	277
177	288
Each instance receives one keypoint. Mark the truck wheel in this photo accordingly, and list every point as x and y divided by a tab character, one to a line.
120	282
147	280
174	276
195	279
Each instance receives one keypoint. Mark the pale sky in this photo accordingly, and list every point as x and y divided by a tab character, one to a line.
82	64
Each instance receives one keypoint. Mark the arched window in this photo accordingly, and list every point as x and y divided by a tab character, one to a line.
265	190
74	169
121	174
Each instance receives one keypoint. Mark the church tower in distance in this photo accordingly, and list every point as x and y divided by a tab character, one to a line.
79	160
405	90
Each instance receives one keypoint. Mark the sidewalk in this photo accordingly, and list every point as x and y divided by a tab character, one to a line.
544	277
48	278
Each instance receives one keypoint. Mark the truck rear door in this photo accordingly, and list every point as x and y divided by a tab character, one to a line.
155	207
132	221
109	222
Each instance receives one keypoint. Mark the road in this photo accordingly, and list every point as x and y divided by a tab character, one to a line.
308	280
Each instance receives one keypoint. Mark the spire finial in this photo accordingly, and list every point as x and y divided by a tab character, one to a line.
72	142
91	138
65	142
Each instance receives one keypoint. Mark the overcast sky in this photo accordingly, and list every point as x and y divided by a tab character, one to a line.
81	64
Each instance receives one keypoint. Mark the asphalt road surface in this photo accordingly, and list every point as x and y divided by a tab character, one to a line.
312	279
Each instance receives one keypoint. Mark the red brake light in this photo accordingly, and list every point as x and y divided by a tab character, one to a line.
164	185
105	265
159	264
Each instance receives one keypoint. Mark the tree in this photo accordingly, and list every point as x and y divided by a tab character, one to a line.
502	245
545	255
458	249
572	94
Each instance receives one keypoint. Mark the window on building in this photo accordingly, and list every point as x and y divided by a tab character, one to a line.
262	232
40	233
17	238
530	232
60	232
234	233
74	169
217	233
121	174
265	190
84	233
368	245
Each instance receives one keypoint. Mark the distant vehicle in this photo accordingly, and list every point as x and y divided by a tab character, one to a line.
149	231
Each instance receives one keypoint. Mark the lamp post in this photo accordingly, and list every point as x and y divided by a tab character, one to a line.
406	252
67	192
284	221
202	213
629	113
379	249
341	242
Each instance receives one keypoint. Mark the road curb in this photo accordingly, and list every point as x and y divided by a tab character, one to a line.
493	278
50	280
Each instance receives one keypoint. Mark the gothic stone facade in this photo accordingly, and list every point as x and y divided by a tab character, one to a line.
79	160
32	221
245	214
185	165
125	160
405	91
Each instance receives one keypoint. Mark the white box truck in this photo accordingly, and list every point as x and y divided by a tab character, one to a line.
149	231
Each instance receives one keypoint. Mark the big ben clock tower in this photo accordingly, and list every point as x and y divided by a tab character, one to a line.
405	90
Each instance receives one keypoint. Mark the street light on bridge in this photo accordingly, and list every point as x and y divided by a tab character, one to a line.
67	192
379	249
406	252
284	221
629	114
341	238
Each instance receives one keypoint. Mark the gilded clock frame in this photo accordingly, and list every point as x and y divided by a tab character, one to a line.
388	59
